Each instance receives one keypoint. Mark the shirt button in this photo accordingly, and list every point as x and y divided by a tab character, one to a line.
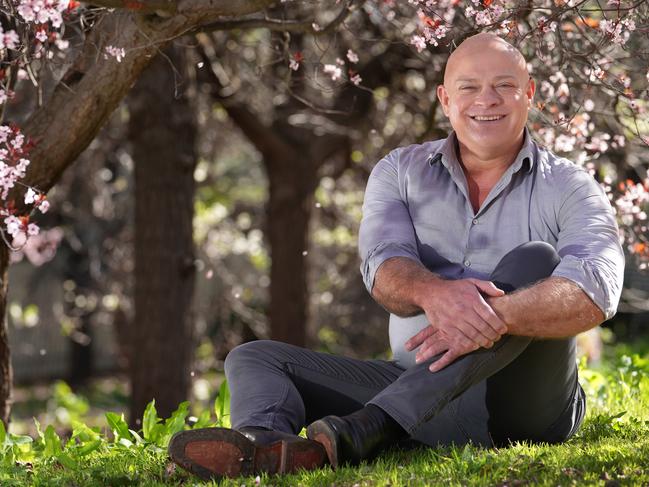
475	221
467	263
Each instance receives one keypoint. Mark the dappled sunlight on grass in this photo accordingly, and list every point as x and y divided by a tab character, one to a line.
612	446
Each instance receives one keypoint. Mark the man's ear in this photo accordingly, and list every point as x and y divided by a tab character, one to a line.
442	96
531	89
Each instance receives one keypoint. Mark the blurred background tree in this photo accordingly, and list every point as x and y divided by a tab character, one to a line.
221	202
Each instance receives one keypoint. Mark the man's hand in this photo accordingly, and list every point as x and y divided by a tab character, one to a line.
460	320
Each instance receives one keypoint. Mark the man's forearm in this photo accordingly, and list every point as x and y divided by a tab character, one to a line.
398	284
553	308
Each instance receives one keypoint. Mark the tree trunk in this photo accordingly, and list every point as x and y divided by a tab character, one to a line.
163	132
6	371
86	96
290	199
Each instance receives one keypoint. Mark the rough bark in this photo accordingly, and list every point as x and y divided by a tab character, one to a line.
6	372
162	131
292	181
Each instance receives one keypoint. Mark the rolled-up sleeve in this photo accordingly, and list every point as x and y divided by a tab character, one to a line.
386	227
588	242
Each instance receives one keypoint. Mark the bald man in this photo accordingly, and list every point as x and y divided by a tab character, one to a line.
490	253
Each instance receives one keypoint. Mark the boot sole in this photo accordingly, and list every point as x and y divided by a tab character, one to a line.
215	453
324	434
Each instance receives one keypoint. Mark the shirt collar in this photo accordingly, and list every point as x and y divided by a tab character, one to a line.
447	155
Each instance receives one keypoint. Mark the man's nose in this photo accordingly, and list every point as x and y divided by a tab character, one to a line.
488	97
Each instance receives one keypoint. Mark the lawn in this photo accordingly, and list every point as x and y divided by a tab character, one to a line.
612	448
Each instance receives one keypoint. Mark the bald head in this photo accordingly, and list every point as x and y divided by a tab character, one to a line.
486	95
474	48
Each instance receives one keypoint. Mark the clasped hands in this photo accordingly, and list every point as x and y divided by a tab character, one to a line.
461	321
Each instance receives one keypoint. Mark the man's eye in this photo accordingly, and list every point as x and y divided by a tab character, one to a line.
467	88
505	85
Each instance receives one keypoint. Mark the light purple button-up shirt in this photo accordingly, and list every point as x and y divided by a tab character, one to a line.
417	206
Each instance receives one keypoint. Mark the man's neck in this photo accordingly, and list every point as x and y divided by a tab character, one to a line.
488	166
483	171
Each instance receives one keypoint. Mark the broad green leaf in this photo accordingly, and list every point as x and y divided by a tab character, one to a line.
20	439
23	452
118	425
125	442
64	396
83	432
38	429
3	433
89	447
137	437
222	405
52	442
9	458
67	461
176	422
157	434
149	421
204	420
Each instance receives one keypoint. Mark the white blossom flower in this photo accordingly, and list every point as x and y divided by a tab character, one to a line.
30	196
419	42
13	225
41	35
334	71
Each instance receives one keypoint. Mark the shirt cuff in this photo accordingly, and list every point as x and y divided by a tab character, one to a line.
381	253
592	281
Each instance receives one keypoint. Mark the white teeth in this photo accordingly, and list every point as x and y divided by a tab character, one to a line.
487	119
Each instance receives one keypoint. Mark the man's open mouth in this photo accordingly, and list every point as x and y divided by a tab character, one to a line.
487	118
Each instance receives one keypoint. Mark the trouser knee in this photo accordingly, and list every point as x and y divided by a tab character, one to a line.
244	356
525	264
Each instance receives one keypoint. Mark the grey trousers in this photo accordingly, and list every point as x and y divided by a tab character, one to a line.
520	389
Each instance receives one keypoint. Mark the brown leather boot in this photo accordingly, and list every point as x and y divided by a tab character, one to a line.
214	453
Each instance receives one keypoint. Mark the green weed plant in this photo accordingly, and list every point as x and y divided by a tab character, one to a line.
612	447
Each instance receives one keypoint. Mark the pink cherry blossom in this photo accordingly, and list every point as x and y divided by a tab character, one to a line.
352	56
117	52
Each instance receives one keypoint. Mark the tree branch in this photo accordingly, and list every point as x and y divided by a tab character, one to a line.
305	27
211	10
95	84
262	136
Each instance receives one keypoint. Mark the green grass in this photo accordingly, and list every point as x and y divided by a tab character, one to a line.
612	448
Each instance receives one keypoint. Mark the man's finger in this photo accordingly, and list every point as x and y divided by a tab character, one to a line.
429	349
476	319
446	359
416	340
487	313
476	330
488	287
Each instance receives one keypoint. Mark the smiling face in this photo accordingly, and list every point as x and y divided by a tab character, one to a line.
486	95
